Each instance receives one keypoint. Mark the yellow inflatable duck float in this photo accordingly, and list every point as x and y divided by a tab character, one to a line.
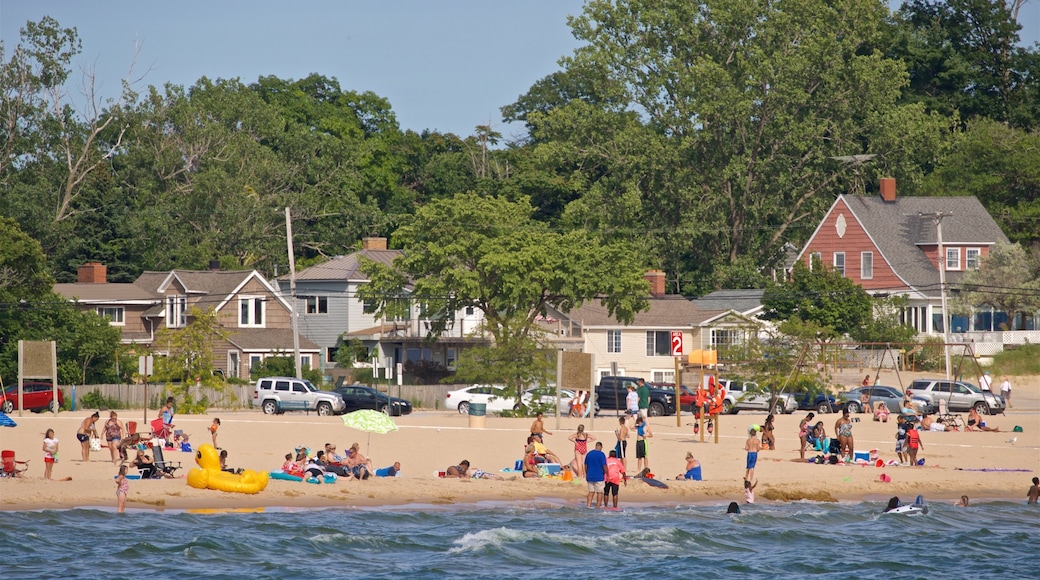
208	474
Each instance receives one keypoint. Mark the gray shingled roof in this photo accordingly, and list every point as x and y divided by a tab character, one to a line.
742	301
898	230
665	312
267	339
345	267
108	292
214	282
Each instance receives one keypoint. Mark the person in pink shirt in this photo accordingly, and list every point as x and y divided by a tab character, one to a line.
615	473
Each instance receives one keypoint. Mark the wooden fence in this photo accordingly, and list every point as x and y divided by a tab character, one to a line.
429	397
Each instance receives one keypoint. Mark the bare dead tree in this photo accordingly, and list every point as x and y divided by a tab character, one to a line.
82	153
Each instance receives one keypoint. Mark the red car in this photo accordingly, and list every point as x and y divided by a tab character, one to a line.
687	398
36	395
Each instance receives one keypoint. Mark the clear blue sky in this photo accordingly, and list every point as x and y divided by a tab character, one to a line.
447	65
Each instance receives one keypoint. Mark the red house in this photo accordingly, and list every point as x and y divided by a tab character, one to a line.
888	245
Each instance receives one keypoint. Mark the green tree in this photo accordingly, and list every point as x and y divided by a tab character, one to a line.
490	254
189	354
817	303
963	56
743	105
1008	279
1000	166
283	366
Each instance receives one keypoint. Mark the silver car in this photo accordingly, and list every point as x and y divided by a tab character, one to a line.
959	395
746	396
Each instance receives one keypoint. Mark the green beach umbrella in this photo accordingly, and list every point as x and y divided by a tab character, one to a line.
370	422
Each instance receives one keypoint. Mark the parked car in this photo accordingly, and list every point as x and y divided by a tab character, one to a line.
891	396
611	393
746	396
356	397
36	396
687	396
494	396
959	395
820	402
546	397
276	395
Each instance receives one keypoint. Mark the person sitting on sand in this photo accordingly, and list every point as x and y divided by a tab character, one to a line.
864	400
881	412
530	463
693	469
542	451
975	422
459	471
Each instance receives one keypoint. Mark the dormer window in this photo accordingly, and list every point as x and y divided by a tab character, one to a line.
251	311
176	311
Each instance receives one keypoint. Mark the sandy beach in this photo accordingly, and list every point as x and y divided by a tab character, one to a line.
429	441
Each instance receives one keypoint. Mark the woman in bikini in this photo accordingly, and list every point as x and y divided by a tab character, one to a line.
581	441
768	439
803	432
114	434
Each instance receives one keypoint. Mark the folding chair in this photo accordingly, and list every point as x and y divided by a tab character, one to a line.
10	466
947	417
167	467
159	429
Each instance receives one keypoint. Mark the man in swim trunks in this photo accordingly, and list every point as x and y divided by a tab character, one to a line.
752	446
622	442
538	428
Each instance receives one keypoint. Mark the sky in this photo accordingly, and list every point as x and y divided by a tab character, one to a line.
445	65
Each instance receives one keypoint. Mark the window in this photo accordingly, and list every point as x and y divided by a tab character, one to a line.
953	258
176	311
723	337
613	341
251	312
469	311
662	376
971	258
866	265
815	257
450	355
839	262
114	314
233	370
317	305
658	343
369	307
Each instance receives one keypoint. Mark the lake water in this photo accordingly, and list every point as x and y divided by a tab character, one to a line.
531	539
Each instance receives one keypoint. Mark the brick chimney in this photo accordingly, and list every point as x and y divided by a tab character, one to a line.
373	243
656	280
92	273
888	189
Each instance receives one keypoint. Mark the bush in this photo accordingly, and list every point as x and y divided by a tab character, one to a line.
95	400
1023	360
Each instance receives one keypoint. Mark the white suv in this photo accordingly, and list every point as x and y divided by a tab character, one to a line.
281	394
745	396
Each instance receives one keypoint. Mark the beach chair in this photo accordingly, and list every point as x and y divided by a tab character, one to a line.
159	429
947	417
167	467
10	465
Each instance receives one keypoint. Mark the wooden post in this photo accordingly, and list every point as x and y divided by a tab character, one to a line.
678	392
716	419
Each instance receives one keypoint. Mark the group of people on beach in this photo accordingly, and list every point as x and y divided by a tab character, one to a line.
352	465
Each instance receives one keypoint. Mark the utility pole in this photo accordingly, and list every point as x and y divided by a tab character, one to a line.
937	217
292	295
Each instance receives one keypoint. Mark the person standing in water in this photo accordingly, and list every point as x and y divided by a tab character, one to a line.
122	489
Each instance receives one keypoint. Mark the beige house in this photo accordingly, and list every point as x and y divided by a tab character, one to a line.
644	347
256	317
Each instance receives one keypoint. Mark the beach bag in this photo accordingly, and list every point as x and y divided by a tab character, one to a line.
1017	429
95	444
